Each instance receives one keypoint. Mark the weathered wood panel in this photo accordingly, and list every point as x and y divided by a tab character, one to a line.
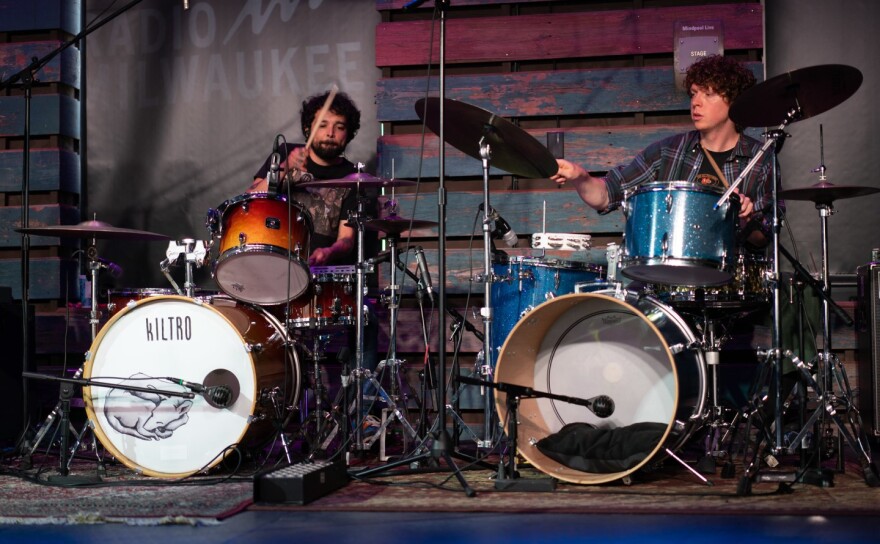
50	214
29	15
562	35
64	68
50	115
545	93
51	170
596	149
49	276
524	210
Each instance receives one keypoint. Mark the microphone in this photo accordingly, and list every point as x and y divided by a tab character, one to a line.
602	406
423	270
220	388
114	269
274	167
503	230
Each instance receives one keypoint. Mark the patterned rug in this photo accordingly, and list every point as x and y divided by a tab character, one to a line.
121	497
662	492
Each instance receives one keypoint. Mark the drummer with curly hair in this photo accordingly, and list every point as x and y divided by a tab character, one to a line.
713	154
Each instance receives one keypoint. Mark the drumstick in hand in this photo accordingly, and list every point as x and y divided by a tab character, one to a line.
333	90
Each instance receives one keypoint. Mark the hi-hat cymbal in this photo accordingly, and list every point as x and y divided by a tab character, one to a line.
359	179
826	193
94	229
395	225
511	148
808	91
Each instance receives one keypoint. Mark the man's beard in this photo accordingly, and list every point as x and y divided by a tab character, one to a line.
328	151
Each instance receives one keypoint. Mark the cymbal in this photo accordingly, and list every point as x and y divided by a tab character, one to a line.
395	225
94	229
826	193
811	91
511	148
359	179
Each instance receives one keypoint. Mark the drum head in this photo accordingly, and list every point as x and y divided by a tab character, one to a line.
144	345
583	346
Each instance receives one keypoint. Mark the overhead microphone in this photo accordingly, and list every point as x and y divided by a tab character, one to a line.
423	270
502	230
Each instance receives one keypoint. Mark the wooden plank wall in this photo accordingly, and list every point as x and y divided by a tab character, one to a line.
31	30
601	73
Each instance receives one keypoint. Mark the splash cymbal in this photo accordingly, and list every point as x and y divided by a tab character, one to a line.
511	148
93	229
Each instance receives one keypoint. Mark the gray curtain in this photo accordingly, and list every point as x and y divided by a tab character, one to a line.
183	107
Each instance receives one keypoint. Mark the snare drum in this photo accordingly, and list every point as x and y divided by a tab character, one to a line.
674	235
329	301
747	290
634	351
162	339
258	262
522	283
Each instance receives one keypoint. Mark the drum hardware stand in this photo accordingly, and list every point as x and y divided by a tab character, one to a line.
392	411
194	252
66	453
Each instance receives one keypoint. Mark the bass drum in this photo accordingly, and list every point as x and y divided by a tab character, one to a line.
590	344
155	343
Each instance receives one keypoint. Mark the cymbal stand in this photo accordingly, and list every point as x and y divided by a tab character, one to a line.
830	372
62	408
321	427
391	361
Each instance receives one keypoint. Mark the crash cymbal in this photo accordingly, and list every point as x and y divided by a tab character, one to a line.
826	193
359	179
94	229
810	91
395	225
511	148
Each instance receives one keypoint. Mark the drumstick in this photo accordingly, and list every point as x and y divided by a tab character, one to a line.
333	90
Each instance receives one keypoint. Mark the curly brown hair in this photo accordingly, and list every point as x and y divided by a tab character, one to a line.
342	105
726	76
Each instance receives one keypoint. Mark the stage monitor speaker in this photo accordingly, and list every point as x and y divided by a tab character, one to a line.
868	331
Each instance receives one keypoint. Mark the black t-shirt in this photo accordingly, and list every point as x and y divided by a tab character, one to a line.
707	175
327	206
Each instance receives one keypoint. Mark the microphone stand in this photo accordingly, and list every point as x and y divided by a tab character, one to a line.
64	408
26	78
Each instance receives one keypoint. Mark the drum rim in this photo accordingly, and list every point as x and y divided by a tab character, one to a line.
222	208
87	393
549	263
528	453
677	185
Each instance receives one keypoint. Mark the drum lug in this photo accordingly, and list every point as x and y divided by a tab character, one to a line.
242	238
668	202
253	348
664	245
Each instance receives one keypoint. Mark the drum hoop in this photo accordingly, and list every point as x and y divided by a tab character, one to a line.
221	209
654	186
540	262
501	397
87	393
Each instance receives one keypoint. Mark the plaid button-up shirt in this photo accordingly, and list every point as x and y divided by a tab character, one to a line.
679	158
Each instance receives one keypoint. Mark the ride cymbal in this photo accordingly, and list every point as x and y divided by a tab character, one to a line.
396	225
807	92
511	148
